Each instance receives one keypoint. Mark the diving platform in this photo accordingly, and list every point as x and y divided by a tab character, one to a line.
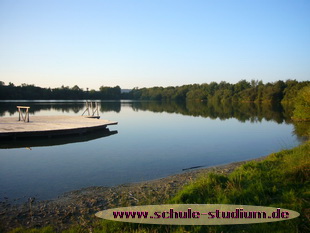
50	126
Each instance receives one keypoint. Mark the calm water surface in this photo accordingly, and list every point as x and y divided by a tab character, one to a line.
153	140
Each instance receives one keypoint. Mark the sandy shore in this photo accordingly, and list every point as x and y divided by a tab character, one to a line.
78	207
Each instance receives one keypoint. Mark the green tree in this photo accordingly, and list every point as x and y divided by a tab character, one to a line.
302	105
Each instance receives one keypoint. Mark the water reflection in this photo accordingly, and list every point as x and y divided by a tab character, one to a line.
157	139
242	111
253	112
9	108
53	141
302	130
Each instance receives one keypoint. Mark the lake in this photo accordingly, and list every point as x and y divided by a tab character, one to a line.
152	140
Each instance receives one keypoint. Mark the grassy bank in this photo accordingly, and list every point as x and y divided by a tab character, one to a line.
281	180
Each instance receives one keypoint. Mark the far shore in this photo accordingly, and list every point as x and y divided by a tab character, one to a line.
72	207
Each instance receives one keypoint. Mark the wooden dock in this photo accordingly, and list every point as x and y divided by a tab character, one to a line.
50	126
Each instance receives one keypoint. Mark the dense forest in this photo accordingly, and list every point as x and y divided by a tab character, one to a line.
242	91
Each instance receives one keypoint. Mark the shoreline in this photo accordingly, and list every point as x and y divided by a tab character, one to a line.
76	206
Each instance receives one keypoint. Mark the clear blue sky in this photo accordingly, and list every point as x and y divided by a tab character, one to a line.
146	43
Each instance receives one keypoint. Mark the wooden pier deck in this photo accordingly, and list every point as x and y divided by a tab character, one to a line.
50	126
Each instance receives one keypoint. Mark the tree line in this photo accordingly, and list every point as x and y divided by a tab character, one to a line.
32	92
242	91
